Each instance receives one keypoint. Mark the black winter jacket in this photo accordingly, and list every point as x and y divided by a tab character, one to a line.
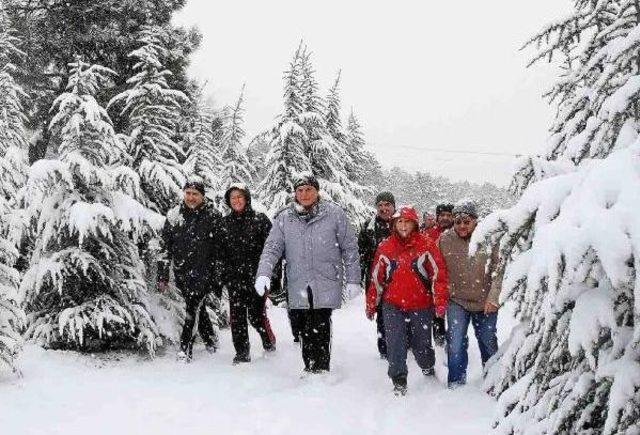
191	239
373	232
244	235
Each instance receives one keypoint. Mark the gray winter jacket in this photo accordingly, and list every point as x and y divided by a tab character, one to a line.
319	253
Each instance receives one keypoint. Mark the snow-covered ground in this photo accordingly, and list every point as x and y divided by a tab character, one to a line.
68	393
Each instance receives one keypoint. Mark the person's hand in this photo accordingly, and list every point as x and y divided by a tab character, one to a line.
163	286
262	285
353	290
370	313
490	307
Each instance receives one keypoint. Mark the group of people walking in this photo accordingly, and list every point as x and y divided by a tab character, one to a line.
419	279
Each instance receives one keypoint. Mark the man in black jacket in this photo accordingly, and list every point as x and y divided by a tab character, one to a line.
372	233
244	233
190	241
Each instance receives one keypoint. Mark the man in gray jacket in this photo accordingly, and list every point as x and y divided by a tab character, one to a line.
321	250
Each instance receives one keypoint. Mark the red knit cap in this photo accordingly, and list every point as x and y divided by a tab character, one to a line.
407	212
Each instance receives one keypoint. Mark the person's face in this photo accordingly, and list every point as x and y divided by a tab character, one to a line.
429	220
445	220
306	195
385	210
238	201
405	227
464	225
193	198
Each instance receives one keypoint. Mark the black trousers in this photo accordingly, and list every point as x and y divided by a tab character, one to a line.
196	312
296	325
315	336
245	304
315	333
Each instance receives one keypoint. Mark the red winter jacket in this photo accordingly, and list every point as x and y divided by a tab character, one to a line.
434	232
410	274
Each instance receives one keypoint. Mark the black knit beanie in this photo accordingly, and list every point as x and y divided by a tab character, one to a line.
194	184
306	179
387	197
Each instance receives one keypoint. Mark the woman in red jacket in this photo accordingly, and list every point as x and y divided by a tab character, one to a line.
410	276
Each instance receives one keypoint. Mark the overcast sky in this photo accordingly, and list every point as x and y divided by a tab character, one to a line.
420	75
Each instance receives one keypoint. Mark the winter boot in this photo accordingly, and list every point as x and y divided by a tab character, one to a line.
271	347
429	372
211	348
241	358
183	357
399	385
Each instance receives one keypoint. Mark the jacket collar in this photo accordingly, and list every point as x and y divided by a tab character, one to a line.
319	212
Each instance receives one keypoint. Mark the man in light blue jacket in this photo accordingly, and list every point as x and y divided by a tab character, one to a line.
321	251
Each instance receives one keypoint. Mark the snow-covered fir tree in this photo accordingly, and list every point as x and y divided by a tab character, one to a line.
13	145
205	146
571	244
301	142
286	156
236	165
153	110
363	165
13	135
85	285
326	145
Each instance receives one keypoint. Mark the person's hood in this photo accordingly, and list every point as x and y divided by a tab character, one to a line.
241	187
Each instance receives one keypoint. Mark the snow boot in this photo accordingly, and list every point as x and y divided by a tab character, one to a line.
400	385
429	372
271	347
241	358
183	357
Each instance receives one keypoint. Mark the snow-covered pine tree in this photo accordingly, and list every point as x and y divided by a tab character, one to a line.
327	147
286	156
153	111
236	166
13	135
85	285
257	151
363	163
301	142
13	146
205	148
571	244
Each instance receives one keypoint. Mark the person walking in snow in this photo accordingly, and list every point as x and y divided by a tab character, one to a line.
409	279
373	232
444	221
190	244
244	232
321	253
428	221
474	290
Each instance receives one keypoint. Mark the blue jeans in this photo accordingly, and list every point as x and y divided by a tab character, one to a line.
484	326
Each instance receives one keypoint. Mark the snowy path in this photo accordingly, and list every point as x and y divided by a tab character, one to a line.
66	393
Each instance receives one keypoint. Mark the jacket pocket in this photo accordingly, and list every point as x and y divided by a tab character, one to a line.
330	271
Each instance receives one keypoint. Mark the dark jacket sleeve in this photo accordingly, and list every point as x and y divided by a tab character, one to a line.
166	252
218	254
366	252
